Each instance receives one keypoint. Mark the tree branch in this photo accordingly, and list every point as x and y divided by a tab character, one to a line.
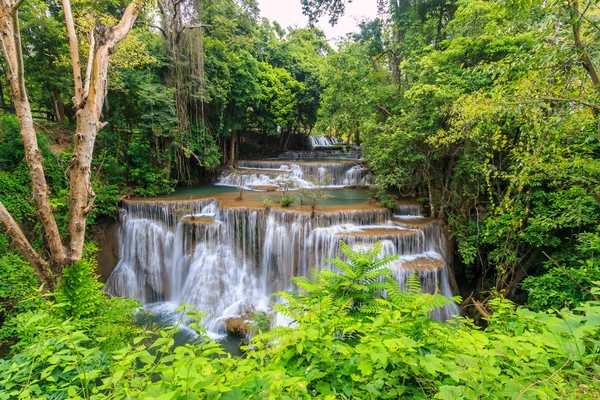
90	63
20	72
15	7
74	47
42	270
121	29
584	56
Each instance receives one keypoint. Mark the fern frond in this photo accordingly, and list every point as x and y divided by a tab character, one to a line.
385	261
379	274
374	251
346	268
413	284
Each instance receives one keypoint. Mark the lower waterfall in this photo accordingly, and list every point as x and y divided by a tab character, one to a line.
224	259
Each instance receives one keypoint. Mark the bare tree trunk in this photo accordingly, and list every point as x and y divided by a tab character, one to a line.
40	266
11	45
74	48
2	102
429	190
81	195
59	107
232	149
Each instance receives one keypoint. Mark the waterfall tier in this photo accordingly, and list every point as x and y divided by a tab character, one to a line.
324	141
220	259
257	175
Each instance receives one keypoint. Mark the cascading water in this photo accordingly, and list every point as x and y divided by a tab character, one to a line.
222	259
253	175
324	141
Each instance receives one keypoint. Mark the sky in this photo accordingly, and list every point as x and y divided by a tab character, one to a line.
289	13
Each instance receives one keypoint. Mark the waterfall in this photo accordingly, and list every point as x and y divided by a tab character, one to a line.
254	175
324	141
222	259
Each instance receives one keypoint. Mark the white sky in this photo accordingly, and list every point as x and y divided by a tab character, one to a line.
289	13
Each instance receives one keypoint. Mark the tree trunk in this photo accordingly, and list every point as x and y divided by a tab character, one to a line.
2	102
40	266
11	39
431	205
59	107
74	48
232	149
81	195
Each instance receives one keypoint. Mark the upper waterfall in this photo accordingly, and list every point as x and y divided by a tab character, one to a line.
324	141
255	175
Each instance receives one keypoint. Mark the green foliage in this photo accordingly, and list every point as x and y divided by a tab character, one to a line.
394	351
287	201
468	106
364	277
261	322
18	294
569	281
11	151
267	203
61	366
388	203
79	290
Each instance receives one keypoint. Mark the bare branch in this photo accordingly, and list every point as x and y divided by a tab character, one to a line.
13	230
74	47
17	5
90	63
121	29
11	46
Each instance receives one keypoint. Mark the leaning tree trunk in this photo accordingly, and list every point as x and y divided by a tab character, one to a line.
11	40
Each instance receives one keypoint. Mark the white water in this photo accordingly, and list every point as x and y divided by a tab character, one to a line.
219	260
252	175
324	141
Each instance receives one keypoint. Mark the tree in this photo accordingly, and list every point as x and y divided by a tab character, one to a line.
88	102
317	193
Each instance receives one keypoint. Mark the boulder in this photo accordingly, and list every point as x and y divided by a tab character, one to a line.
236	326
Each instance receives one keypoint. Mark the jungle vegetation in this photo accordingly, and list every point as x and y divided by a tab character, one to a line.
486	111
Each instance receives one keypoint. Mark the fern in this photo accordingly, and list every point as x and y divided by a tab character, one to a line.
361	279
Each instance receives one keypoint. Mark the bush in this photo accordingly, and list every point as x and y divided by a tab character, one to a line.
18	294
79	290
267	203
287	201
388	203
567	281
261	322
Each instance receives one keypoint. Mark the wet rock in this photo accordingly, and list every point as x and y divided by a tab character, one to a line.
236	326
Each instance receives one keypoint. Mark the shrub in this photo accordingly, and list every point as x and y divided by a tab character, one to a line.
18	294
261	322
388	203
286	201
79	290
267	203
